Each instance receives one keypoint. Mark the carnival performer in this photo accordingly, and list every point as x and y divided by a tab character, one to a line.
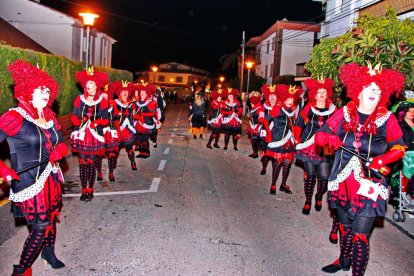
110	134
89	116
269	103
278	124
254	125
159	116
232	123
36	144
124	110
362	130
144	114
215	121
197	116
317	161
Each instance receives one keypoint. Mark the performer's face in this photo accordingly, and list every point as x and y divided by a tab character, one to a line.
321	95
370	96
90	87
142	94
289	102
124	95
410	114
219	99
230	97
272	99
41	97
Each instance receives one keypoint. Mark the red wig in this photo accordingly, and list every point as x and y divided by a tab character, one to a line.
217	93
288	91
27	78
149	88
255	98
99	78
356	78
231	91
123	86
314	85
268	89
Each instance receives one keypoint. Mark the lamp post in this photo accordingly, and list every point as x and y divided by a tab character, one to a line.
249	65
154	70
88	21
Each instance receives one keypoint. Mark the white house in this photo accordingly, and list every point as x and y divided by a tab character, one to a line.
283	49
59	33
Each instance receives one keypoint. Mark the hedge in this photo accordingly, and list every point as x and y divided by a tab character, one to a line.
61	68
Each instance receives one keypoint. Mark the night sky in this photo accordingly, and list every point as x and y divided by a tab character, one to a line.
193	32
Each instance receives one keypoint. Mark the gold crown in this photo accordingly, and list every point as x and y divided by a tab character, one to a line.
89	71
272	88
292	89
124	83
229	89
219	90
374	71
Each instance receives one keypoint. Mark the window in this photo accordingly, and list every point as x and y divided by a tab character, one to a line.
265	74
273	43
338	6
268	44
161	78
179	79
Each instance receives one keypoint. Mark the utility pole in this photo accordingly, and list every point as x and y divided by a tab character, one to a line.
242	65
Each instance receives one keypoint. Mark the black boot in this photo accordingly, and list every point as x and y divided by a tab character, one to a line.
340	264
48	256
265	161
216	139
235	140
209	142
21	271
286	169
226	141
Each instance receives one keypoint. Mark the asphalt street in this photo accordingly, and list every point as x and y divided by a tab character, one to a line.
190	210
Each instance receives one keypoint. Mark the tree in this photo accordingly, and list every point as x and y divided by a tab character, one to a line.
385	40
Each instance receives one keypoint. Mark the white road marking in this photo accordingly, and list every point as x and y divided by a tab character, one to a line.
162	165
167	151
154	184
170	141
152	189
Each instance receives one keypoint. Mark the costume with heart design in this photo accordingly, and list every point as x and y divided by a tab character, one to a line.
362	130
36	144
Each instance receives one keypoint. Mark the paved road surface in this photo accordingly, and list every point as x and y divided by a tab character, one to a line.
189	210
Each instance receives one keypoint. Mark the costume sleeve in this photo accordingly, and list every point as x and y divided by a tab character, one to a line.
335	121
393	129
10	124
76	113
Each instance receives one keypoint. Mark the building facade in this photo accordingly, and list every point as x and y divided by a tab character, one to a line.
283	49
340	15
57	32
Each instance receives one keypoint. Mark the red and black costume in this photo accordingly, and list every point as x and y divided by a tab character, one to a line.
357	190
123	121
232	123
278	124
159	116
267	90
317	161
254	126
89	118
216	119
36	193
145	112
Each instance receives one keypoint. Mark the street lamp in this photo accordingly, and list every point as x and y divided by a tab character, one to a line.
88	20
154	70
222	79
249	65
